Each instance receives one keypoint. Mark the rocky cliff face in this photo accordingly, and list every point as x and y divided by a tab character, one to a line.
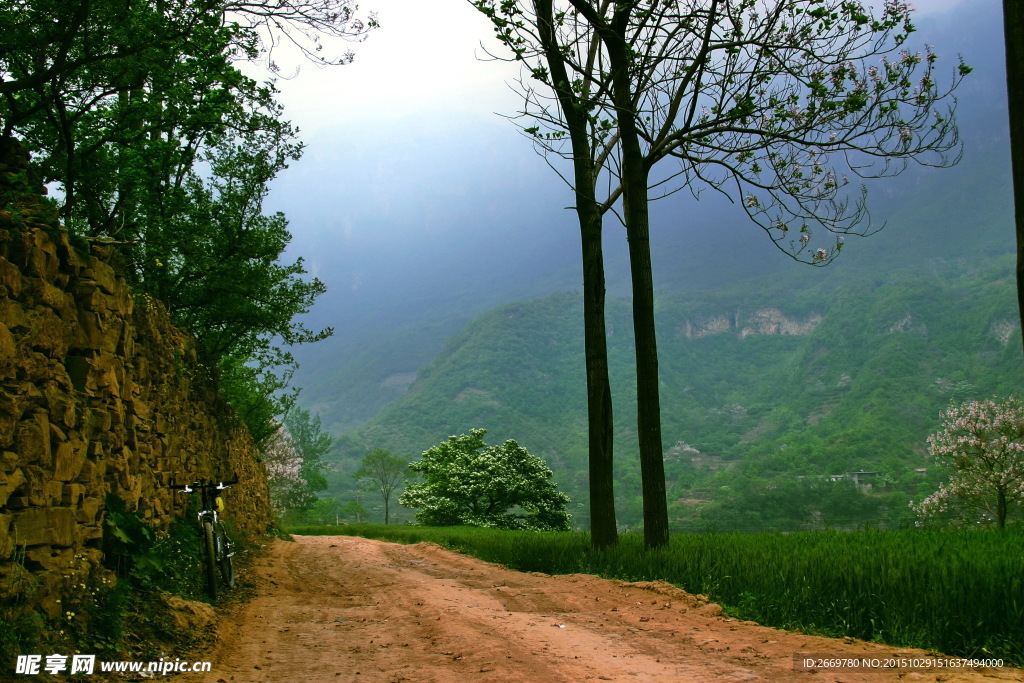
769	321
99	394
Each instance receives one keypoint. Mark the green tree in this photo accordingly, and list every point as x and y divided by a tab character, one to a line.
353	510
383	472
160	145
311	443
468	482
770	103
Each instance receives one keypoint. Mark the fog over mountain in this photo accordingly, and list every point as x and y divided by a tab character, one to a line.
418	230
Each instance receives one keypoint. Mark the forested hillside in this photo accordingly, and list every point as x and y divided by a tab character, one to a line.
759	389
786	375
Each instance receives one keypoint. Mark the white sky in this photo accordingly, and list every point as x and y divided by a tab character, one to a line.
422	61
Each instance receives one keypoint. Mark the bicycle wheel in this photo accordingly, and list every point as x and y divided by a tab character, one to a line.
227	567
210	551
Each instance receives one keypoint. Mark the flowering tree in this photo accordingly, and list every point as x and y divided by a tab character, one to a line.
289	489
983	442
469	482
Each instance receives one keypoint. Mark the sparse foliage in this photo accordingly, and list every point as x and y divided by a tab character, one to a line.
384	472
774	104
982	443
468	482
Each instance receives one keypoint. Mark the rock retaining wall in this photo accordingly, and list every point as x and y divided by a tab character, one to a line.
99	394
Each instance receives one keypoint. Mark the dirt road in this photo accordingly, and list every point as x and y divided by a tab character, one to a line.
337	608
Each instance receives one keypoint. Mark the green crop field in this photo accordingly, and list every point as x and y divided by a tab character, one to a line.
957	592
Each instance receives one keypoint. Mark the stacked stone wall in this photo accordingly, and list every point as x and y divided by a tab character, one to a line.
99	394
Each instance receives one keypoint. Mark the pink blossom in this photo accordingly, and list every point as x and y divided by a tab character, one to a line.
983	443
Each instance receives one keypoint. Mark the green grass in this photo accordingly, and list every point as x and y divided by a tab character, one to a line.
958	592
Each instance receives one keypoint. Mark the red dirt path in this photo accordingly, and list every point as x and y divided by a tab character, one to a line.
338	608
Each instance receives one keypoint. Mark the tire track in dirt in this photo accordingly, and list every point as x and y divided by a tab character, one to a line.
338	608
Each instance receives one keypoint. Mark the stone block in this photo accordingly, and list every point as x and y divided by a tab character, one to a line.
8	426
69	459
35	367
89	512
72	495
88	297
50	334
13	315
96	421
61	405
41	258
10	277
99	273
8	461
140	408
89	332
45	526
114	328
6	540
32	439
52	490
57	299
91	532
56	434
8	347
9	483
115	416
109	372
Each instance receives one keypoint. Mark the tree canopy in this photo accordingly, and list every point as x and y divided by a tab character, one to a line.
293	455
383	472
468	482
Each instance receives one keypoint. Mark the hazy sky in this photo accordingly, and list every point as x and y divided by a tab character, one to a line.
423	60
415	116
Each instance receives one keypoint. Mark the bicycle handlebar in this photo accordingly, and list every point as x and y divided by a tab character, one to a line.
202	484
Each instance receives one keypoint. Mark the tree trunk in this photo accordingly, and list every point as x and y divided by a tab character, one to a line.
1001	508
634	178
648	399
1013	28
603	529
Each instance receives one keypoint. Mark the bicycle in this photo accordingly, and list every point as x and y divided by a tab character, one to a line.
218	548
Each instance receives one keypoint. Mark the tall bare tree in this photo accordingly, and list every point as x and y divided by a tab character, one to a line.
774	103
1013	30
569	112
